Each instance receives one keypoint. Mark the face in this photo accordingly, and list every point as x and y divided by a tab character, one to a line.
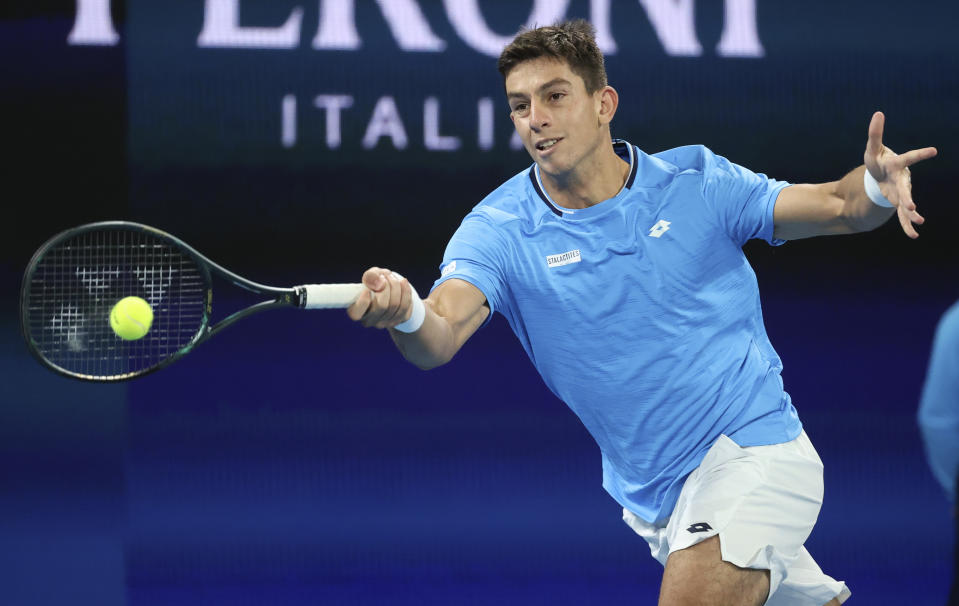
561	125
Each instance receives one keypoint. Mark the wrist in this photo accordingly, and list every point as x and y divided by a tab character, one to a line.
873	192
417	314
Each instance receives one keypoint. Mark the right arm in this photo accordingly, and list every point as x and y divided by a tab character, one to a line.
454	311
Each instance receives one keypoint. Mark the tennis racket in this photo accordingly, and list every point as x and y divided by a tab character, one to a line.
74	280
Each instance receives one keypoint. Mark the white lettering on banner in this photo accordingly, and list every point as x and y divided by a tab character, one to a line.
288	115
386	122
222	29
675	25
93	24
599	17
468	21
337	29
515	142
740	36
333	104
672	20
484	126
432	138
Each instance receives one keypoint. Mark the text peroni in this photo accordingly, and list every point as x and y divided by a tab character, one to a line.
672	20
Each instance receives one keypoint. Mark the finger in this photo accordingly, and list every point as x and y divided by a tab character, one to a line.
906	223
391	301
374	315
401	289
874	144
906	202
359	307
917	155
904	191
380	306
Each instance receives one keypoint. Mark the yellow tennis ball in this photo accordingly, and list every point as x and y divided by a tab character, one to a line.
131	318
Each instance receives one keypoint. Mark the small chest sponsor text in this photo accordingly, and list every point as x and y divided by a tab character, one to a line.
565	258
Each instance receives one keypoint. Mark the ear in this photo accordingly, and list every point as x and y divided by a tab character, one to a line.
608	101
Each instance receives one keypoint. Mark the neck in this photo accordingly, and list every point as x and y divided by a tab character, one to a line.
599	177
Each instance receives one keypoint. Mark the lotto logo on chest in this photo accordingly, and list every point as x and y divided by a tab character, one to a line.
558	260
661	227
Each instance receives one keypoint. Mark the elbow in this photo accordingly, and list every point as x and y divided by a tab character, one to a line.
428	362
421	354
430	365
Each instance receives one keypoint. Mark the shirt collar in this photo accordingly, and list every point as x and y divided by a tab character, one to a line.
622	148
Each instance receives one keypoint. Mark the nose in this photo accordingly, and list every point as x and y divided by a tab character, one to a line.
539	117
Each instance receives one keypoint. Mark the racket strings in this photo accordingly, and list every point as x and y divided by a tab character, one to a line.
76	283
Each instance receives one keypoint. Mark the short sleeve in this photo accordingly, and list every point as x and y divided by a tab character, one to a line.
743	201
477	253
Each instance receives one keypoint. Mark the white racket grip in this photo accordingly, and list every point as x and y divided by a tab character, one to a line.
330	296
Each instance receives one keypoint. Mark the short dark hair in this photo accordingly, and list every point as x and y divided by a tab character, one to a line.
573	42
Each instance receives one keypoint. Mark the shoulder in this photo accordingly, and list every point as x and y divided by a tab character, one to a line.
716	174
694	158
693	166
509	204
690	161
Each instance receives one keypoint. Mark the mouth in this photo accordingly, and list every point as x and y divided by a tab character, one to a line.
547	144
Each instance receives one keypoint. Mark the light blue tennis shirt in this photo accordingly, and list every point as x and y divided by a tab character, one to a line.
641	312
939	408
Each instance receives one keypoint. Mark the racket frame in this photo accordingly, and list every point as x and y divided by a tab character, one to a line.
282	297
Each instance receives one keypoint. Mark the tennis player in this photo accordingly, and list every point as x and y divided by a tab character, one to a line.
622	274
939	418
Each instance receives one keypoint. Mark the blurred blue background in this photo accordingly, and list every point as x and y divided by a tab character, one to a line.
296	458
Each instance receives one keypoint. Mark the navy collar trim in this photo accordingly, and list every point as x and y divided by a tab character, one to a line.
633	164
534	179
623	149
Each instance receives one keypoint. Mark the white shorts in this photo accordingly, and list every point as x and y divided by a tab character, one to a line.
762	501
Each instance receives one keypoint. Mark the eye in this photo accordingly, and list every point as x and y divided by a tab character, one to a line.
520	108
556	96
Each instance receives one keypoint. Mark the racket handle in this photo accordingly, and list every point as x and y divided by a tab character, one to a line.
329	296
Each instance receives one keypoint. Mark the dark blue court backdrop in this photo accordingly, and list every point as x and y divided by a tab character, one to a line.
296	459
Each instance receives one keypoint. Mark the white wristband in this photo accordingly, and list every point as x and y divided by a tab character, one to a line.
872	190
417	316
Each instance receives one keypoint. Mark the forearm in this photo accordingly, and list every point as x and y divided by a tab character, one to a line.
427	332
432	345
858	213
453	312
844	206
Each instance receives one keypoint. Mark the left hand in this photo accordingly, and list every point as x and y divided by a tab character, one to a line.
891	170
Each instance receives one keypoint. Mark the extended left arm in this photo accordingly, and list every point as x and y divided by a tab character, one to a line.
843	207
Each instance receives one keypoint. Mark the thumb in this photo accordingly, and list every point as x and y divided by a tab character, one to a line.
373	279
358	309
874	142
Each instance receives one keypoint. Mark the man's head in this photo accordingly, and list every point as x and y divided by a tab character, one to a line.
572	42
559	100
